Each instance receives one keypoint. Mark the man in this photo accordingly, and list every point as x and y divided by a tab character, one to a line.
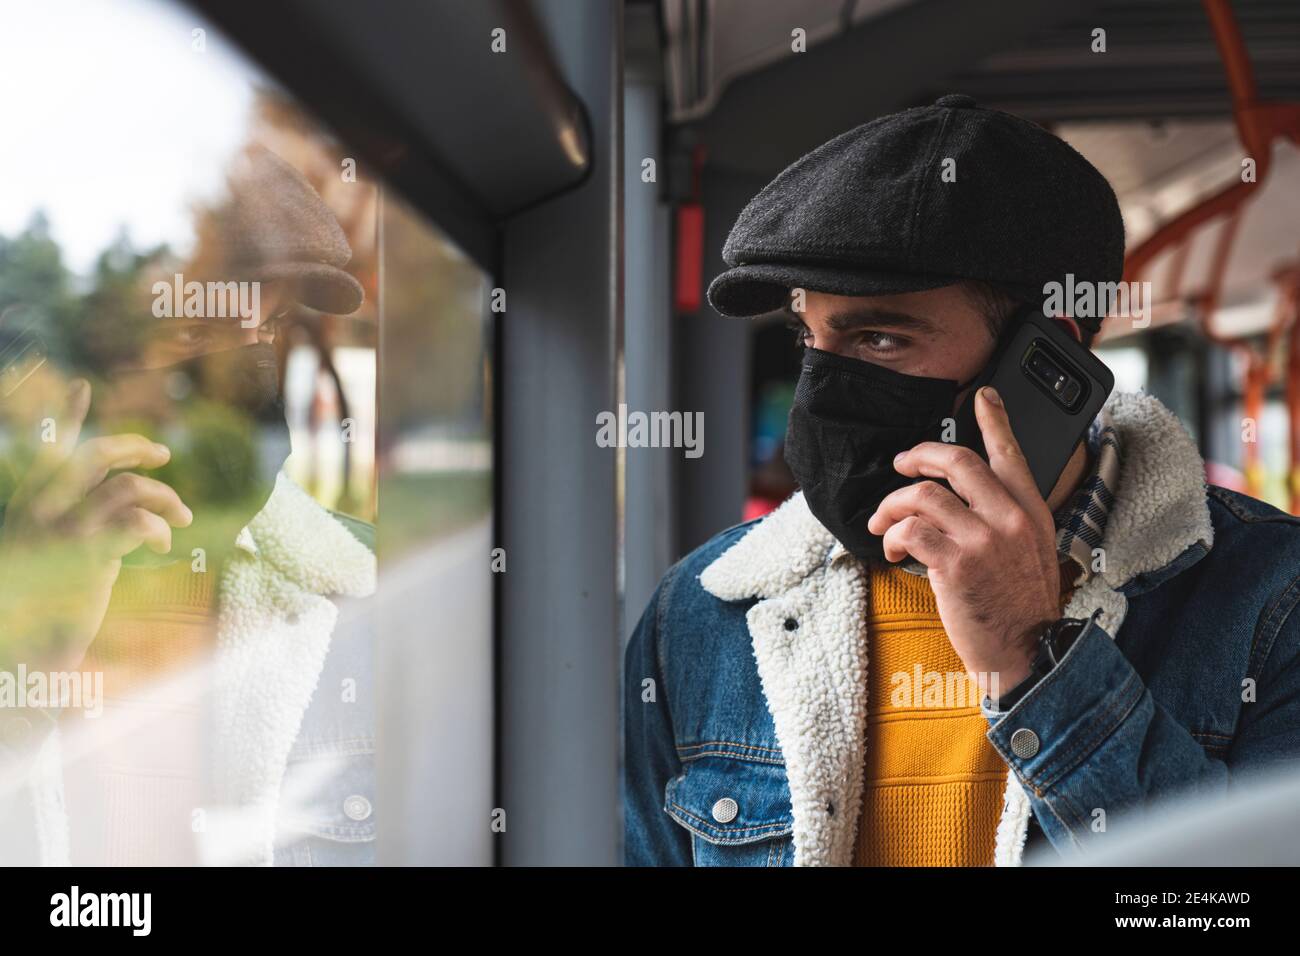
793	692
166	551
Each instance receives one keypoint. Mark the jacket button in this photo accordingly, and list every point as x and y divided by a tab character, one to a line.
791	624
725	810
1024	743
357	807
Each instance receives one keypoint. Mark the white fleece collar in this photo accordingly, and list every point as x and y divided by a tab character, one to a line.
814	676
775	555
300	539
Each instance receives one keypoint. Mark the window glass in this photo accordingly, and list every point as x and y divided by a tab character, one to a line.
243	388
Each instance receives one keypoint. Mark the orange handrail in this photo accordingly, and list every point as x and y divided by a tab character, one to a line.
1259	123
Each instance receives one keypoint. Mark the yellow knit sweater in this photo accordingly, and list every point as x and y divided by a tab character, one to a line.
933	784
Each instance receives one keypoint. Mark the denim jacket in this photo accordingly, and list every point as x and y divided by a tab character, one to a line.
326	802
745	679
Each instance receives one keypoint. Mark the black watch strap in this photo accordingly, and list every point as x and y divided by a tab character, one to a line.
1059	637
1053	644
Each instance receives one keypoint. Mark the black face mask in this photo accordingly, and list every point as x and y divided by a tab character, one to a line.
222	416
849	420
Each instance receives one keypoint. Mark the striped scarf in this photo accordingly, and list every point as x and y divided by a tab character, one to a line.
1081	521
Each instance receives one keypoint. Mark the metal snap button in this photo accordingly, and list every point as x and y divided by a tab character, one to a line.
791	624
357	807
725	810
1024	743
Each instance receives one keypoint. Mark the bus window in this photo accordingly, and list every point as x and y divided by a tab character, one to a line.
244	385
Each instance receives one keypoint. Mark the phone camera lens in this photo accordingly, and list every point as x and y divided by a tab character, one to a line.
1061	384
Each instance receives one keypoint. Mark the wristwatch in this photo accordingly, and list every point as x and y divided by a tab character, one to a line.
1052	645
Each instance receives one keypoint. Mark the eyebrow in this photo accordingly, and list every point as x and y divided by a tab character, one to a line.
847	320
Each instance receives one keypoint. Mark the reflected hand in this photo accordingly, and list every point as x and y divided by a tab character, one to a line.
66	529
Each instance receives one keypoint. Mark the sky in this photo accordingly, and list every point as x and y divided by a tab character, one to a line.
112	120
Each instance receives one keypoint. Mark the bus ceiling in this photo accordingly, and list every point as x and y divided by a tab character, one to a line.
1191	108
736	85
1178	93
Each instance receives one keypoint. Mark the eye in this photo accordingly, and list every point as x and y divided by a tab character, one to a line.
800	333
883	343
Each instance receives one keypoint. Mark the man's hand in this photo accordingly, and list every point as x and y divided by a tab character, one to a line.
990	548
72	517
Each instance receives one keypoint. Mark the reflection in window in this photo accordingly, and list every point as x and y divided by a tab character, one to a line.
190	309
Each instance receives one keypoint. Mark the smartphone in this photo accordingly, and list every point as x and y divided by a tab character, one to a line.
1052	387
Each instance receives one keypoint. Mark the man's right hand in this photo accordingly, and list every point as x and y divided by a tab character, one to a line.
66	529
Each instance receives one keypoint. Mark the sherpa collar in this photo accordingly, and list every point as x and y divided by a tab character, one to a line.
790	561
300	539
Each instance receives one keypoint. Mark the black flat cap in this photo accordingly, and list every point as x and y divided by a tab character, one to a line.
922	199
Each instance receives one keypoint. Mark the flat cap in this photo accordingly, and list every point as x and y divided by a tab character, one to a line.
276	226
922	199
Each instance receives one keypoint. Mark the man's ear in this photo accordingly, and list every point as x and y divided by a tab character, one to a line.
1071	326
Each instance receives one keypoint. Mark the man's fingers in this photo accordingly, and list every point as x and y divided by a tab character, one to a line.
89	465
127	489
93	461
969	475
133	527
1005	457
931	501
920	539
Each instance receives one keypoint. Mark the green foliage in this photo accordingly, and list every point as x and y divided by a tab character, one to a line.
86	325
214	453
